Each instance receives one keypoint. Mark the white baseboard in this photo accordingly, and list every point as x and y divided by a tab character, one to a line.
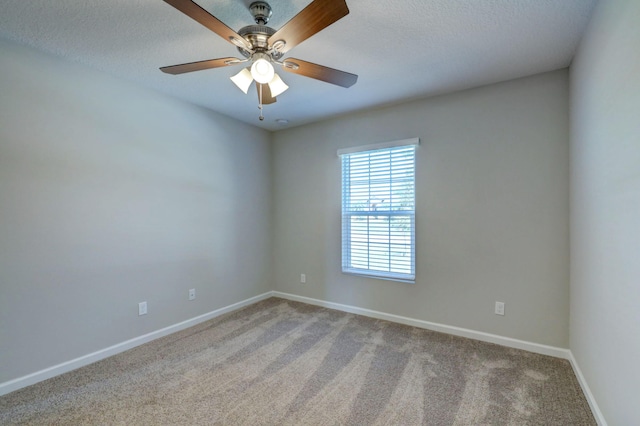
587	391
456	331
464	332
73	364
64	367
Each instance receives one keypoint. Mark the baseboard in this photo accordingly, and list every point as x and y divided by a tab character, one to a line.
456	331
464	332
595	410
64	367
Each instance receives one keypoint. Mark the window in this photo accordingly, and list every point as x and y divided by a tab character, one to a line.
378	210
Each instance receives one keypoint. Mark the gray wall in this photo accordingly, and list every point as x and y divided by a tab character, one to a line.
492	209
605	209
109	195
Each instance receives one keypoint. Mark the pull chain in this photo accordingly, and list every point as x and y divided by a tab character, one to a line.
261	118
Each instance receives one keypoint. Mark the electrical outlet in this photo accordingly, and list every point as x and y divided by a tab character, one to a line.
142	308
303	278
192	294
499	308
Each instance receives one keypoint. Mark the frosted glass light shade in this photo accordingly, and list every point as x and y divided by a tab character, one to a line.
262	71
243	80
277	86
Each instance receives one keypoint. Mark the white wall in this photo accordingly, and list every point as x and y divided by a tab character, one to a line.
492	209
109	195
605	209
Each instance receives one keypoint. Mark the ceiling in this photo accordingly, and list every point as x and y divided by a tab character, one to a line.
400	49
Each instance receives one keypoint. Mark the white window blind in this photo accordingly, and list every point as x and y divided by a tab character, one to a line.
378	210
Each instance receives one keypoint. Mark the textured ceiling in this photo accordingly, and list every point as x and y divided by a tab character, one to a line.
401	49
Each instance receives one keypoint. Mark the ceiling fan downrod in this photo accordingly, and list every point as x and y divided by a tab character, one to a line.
261	12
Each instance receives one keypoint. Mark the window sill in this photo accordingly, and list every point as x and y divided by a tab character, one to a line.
379	277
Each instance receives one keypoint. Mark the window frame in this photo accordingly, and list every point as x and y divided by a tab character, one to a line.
347	213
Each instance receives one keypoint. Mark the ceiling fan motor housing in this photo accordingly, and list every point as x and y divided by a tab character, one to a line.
258	36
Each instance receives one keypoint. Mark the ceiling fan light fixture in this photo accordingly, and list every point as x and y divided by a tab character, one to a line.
243	80
277	86
262	71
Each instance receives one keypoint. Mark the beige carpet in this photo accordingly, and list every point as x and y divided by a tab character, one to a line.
285	363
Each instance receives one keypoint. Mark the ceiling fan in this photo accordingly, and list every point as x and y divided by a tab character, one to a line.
262	46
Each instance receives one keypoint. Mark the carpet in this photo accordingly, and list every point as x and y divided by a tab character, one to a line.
279	362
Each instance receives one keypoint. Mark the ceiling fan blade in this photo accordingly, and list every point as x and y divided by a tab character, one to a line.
266	94
199	66
319	72
200	15
318	15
